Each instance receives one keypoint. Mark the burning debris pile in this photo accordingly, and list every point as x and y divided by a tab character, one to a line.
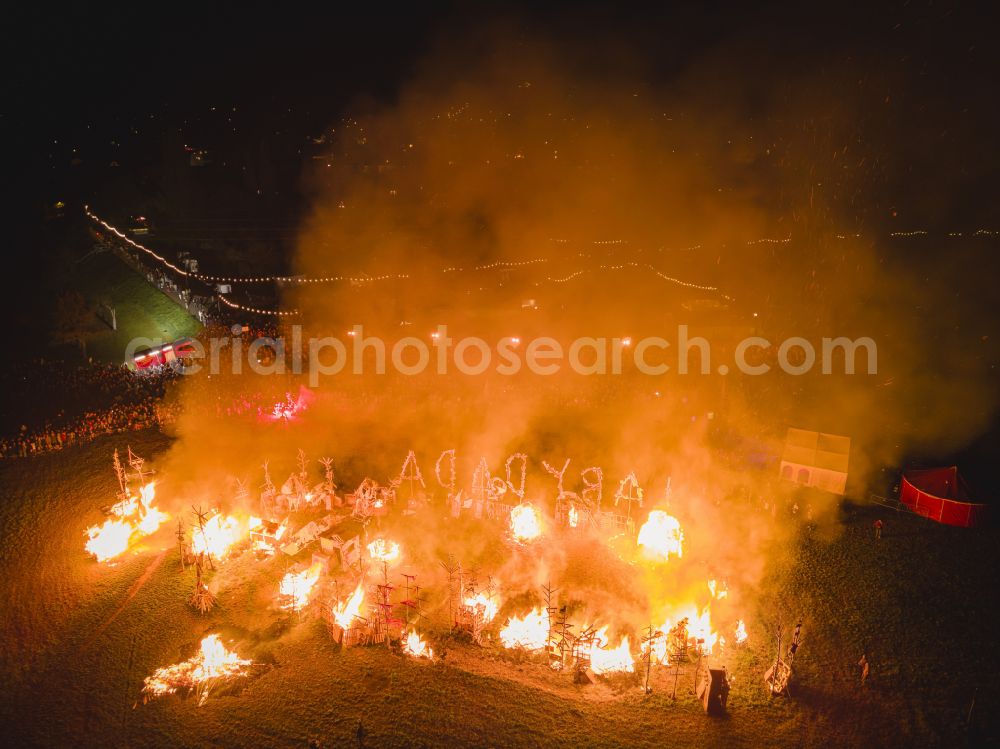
212	664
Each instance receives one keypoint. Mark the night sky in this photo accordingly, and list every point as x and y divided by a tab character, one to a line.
92	84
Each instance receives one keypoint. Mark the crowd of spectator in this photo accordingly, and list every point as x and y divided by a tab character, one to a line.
55	405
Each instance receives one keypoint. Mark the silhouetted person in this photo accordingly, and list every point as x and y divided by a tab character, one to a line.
864	667
360	734
878	529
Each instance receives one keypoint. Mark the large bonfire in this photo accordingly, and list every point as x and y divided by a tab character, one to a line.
686	634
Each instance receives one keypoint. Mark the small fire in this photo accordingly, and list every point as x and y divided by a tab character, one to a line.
345	612
574	516
483	605
150	517
265	540
661	536
741	632
718	591
134	518
699	630
530	632
213	661
109	540
605	660
525	524
658	646
219	535
383	551
126	507
416	647
290	407
297	587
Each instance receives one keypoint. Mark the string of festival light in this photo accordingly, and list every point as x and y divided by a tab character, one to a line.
497	265
500	264
257	310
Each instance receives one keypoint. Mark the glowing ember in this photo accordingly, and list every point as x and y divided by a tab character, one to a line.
383	551
213	661
485	607
525	524
530	632
345	612
605	660
217	537
661	536
297	587
741	632
416	647
134	518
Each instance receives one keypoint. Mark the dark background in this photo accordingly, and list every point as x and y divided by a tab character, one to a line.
132	85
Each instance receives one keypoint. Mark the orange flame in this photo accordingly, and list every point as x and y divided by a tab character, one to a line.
484	606
741	632
109	540
718	591
220	534
345	612
134	518
699	629
661	537
530	632
213	661
605	660
525	524
416	647
297	587
382	550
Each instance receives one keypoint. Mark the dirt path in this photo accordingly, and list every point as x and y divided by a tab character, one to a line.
136	587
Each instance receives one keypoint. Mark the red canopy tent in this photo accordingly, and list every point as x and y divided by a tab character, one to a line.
941	494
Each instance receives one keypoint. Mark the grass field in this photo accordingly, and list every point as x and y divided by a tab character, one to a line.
142	310
77	644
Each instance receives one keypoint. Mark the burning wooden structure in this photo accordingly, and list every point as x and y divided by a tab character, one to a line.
371	499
